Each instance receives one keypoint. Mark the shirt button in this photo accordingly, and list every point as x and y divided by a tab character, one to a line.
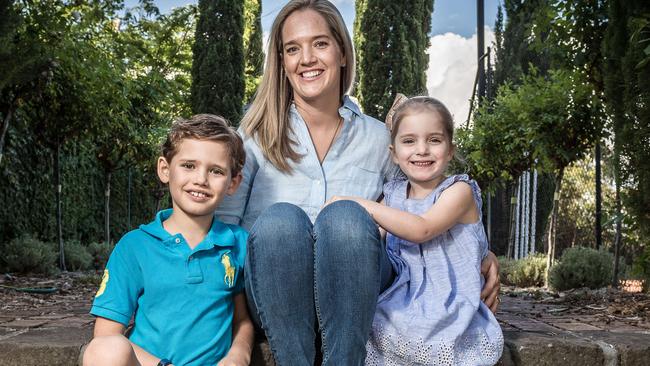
178	240
191	257
318	182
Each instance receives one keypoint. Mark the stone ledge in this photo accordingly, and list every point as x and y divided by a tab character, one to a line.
61	346
43	346
585	348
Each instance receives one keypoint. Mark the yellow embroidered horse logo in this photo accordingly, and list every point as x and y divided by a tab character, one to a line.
229	278
102	286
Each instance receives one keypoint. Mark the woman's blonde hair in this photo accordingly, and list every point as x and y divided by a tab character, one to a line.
267	119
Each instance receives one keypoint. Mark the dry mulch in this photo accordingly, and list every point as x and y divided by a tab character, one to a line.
67	292
73	292
605	304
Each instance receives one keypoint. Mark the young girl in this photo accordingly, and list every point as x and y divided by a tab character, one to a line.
432	313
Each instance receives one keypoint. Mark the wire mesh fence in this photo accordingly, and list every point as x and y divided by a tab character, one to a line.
517	216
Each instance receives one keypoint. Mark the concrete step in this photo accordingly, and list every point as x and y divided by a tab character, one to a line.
61	346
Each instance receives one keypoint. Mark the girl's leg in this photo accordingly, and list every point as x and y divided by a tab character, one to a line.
351	268
279	274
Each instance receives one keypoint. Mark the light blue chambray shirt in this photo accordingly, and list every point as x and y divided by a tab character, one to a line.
357	164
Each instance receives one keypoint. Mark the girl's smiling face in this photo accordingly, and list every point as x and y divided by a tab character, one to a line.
311	57
422	148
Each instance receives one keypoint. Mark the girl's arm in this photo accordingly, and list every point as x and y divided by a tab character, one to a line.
242	339
455	205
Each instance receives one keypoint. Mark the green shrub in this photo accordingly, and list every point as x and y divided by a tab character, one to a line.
100	251
26	254
529	271
582	267
506	265
77	256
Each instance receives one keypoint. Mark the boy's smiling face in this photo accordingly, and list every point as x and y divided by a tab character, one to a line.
199	176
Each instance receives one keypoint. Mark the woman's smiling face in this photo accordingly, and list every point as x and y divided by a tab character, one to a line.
311	57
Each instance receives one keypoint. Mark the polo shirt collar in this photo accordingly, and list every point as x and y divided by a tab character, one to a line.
219	234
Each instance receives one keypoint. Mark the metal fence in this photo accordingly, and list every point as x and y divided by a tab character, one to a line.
517	216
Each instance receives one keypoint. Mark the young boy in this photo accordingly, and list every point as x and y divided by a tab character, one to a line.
181	276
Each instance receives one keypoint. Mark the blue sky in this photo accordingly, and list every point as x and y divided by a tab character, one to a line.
455	16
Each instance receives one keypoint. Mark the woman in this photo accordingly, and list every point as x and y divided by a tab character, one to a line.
311	271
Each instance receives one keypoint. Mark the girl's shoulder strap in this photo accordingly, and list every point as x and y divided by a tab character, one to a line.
476	190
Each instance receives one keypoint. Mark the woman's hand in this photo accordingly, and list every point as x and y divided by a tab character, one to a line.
490	292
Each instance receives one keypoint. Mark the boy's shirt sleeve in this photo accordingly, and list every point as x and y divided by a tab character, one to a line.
117	296
241	237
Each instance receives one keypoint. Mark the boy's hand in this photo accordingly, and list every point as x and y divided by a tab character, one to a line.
233	360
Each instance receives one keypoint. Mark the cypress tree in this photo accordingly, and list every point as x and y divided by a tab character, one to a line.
392	39
498	33
627	93
253	53
517	53
218	65
359	39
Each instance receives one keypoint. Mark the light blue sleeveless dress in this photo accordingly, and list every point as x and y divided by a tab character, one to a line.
432	314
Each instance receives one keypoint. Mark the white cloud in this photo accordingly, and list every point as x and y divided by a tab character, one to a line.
452	69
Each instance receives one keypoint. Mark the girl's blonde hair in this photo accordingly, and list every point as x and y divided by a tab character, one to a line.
267	119
416	104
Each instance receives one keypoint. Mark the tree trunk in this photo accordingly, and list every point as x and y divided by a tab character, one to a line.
5	127
107	209
599	228
619	216
59	218
128	202
550	255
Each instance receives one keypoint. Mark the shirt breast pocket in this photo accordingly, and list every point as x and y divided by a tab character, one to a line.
364	183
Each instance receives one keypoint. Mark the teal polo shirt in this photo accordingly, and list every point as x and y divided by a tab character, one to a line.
181	298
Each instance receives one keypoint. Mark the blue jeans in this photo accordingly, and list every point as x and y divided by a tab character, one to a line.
304	279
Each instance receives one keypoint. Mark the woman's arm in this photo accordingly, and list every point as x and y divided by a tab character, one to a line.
242	330
455	205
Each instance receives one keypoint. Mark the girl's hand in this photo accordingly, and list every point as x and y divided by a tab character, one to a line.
338	198
490	292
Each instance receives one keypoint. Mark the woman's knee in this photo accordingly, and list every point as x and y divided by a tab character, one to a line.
283	231
348	225
109	350
280	219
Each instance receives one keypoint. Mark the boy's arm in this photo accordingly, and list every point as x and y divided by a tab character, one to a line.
456	204
106	327
242	335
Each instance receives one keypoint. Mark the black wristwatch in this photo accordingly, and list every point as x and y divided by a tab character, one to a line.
164	362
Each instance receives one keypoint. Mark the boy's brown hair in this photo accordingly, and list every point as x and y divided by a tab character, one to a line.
206	127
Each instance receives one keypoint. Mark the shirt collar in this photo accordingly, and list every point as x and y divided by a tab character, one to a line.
347	105
219	234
